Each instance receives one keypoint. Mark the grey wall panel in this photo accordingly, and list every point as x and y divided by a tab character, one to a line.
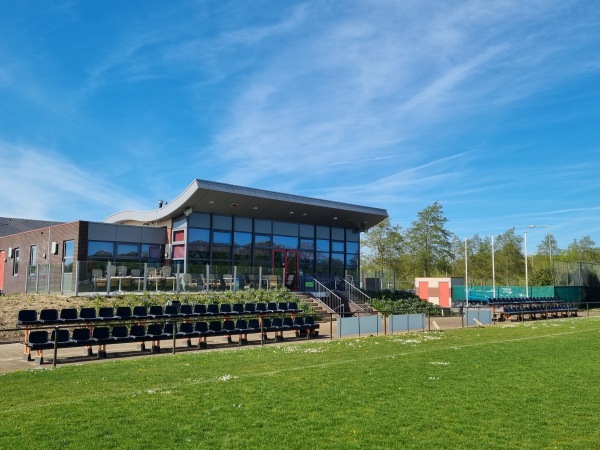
102	232
154	235
129	234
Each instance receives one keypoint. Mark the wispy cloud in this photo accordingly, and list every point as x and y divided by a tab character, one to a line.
44	185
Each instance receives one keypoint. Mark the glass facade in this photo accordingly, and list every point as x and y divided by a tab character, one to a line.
244	242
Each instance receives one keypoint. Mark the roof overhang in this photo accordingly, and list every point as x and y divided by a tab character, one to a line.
226	199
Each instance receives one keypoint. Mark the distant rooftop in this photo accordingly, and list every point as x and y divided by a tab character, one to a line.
11	225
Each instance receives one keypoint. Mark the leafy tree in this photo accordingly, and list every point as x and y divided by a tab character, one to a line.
510	268
548	245
541	276
383	246
429	243
480	260
582	250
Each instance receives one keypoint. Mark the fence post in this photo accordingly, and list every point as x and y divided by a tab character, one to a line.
331	326
235	280
62	277
175	334
76	277
145	276
55	346
108	277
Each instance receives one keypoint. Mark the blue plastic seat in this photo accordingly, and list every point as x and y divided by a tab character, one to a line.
28	317
49	316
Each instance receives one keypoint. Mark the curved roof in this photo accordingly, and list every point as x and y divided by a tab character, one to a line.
227	199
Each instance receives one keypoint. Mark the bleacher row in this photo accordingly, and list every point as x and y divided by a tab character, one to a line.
154	324
68	316
534	307
521	300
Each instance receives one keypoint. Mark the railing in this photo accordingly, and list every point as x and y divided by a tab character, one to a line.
356	296
332	302
107	277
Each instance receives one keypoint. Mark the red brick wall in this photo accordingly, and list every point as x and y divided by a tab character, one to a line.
43	238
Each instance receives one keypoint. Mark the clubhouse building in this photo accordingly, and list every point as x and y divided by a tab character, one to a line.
213	235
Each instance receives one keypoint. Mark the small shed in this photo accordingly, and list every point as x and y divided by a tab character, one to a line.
437	290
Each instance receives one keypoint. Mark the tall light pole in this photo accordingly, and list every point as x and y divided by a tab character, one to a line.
493	269
526	274
549	242
466	275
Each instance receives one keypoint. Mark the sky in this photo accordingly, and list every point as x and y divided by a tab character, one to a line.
490	108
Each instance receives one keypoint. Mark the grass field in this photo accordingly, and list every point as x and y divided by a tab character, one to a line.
532	385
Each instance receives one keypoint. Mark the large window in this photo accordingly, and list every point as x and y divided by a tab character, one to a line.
198	236
322	263
152	252
16	262
242	239
101	249
337	246
262	240
125	250
352	247
68	252
285	242
32	260
323	245
222	237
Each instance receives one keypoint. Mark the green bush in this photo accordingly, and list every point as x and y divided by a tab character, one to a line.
394	302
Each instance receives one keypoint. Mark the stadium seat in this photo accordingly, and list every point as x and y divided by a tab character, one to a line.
140	312
107	313
88	314
28	317
124	312
69	315
49	316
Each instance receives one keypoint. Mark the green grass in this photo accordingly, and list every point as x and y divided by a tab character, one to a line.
522	386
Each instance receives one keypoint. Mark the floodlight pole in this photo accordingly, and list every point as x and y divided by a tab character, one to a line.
466	275
526	270
549	241
493	269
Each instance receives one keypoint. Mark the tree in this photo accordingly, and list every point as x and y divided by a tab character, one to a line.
510	264
382	246
548	246
582	250
429	243
480	259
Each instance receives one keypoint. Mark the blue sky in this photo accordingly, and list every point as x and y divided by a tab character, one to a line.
491	108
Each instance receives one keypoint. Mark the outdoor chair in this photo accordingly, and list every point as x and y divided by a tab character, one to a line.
200	309
228	280
69	315
124	312
49	316
27	317
82	337
186	310
165	272
212	309
120	333
107	313
139	312
88	314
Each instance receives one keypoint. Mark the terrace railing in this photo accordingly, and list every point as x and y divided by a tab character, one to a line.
361	300
330	300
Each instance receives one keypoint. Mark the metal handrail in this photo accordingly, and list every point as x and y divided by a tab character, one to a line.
332	302
356	296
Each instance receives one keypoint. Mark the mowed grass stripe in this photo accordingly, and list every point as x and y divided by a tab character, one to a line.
461	390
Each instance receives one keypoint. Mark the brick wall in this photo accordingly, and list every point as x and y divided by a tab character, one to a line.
43	238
